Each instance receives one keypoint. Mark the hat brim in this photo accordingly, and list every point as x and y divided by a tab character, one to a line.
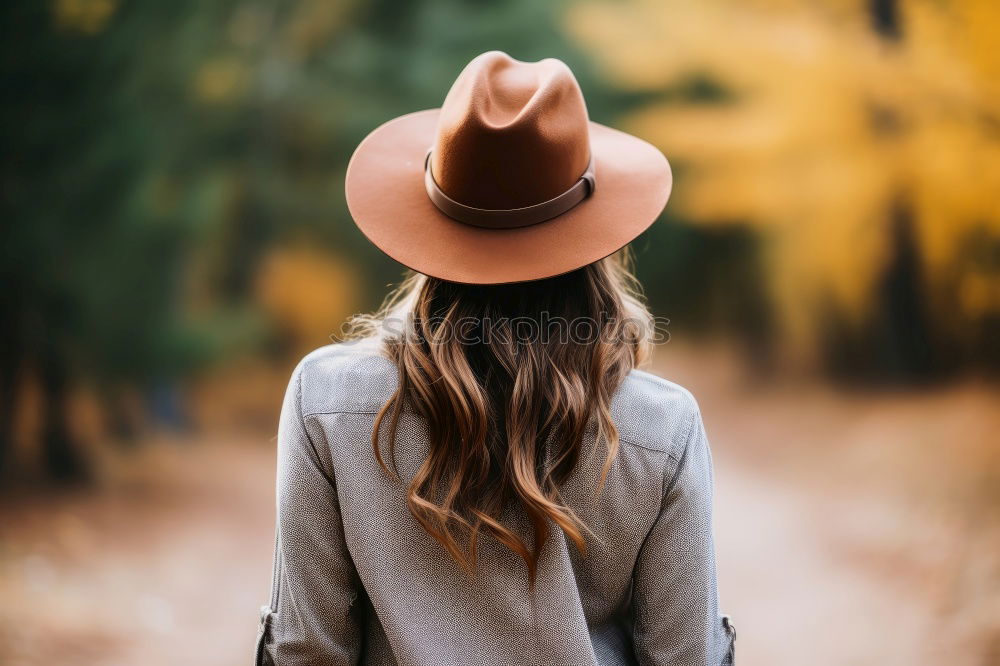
386	197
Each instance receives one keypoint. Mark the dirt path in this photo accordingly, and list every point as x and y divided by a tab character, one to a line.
854	529
854	533
166	565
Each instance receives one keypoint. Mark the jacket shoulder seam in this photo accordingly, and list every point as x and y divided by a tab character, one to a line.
687	443
369	412
632	442
361	412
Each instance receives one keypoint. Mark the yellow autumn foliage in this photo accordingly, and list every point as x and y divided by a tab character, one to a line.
87	16
827	127
310	293
220	80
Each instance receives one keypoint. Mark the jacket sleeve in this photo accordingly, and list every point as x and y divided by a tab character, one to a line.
675	607
312	617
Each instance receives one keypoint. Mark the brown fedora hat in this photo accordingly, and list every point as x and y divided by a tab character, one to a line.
508	181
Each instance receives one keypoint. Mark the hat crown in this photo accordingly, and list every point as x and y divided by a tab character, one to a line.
511	133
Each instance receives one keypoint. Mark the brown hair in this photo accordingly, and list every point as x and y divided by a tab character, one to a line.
508	378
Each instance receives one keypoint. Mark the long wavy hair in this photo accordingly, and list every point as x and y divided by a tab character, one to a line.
507	378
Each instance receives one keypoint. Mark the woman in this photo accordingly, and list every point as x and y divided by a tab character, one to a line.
483	476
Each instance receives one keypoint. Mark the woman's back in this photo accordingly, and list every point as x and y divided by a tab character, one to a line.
482	476
359	580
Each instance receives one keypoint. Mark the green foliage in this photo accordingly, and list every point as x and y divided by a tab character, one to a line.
154	151
167	144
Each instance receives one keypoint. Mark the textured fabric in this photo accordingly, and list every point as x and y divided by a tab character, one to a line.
358	581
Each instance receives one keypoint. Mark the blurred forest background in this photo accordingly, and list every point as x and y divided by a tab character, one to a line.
174	237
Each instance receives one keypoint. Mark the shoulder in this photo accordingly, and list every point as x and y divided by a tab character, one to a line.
346	377
356	377
655	413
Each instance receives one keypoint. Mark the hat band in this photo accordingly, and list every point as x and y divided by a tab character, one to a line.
509	218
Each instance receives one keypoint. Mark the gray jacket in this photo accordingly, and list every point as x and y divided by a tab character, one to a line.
358	580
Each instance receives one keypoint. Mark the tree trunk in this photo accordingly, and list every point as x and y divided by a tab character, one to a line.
885	18
902	333
10	362
62	459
